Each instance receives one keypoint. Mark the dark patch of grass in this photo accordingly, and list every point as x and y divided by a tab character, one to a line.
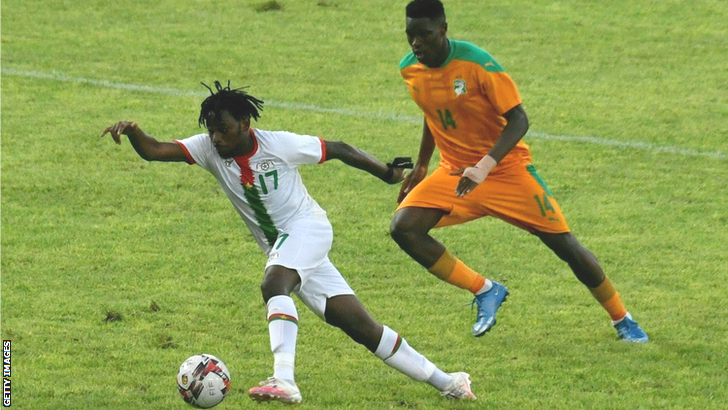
113	316
269	6
154	307
166	342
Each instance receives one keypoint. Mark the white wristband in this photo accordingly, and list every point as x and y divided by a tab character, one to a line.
487	163
480	171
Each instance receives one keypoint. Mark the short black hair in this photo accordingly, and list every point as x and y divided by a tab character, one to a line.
432	9
237	102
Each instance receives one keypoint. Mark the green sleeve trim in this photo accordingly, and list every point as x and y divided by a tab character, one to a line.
463	50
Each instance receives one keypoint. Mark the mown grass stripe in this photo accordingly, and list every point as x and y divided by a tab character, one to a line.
354	113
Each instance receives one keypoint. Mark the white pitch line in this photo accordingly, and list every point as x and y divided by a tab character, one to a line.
353	113
629	144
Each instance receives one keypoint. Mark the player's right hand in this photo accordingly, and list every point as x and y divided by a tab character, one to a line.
411	180
121	127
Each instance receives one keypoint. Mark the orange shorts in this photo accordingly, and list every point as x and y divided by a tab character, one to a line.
516	195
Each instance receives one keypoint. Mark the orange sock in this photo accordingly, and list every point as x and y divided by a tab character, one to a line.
453	271
608	297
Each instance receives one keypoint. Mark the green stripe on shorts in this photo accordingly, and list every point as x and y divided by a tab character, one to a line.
532	170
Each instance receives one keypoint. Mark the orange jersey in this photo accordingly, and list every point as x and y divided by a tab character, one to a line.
464	101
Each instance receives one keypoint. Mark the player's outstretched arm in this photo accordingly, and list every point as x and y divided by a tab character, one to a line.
144	144
390	173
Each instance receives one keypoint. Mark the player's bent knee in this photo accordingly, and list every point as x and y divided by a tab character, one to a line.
397	232
402	230
412	223
278	281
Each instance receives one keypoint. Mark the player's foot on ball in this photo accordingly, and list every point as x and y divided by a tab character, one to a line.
276	389
629	331
488	303
459	387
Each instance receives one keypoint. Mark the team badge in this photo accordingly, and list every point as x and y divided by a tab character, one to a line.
264	166
459	87
228	162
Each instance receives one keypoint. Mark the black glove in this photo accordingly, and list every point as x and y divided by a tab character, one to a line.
399	162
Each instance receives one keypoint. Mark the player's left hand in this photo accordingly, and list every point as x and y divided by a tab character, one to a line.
120	128
471	178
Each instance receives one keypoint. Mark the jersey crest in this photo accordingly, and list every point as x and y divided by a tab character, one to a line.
265	165
459	87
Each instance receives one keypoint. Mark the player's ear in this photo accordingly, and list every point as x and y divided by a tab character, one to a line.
245	123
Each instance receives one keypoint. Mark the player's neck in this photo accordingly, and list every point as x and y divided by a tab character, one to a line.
444	53
247	144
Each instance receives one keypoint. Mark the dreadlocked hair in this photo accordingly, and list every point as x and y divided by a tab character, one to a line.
237	102
432	9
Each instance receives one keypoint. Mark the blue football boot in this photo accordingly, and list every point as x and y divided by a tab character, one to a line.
488	303
629	331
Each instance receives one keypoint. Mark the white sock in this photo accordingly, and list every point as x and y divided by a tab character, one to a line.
396	352
486	287
283	330
439	380
614	322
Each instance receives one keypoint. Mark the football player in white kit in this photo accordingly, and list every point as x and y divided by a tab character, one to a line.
258	171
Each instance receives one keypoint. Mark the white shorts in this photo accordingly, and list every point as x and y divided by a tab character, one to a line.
304	247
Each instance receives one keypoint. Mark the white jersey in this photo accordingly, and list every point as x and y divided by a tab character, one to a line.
264	186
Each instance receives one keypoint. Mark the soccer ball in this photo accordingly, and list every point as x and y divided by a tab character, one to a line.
203	381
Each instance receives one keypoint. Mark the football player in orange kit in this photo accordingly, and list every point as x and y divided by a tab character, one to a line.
473	115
